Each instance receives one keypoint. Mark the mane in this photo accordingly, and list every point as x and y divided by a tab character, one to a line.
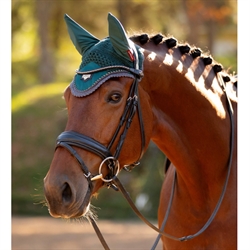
184	52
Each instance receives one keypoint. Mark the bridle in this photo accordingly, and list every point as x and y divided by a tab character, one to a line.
68	139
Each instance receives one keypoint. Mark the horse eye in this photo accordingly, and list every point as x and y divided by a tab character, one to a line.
114	98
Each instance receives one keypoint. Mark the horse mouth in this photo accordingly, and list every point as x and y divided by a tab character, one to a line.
76	209
81	212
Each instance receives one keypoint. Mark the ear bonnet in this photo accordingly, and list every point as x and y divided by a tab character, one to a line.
114	56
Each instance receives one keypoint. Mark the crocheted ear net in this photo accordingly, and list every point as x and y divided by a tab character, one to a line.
98	56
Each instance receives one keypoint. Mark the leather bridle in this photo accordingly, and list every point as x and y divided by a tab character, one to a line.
68	139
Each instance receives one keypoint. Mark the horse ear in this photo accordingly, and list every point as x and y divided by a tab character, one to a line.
119	39
80	37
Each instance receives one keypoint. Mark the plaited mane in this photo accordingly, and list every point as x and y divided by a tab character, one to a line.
172	44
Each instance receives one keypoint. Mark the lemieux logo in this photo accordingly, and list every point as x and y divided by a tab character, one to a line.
86	77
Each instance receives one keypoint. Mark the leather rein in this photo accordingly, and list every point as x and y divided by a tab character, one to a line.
68	139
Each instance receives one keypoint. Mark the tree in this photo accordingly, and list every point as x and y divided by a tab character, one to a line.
47	63
207	15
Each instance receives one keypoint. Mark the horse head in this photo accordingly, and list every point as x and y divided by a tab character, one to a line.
104	120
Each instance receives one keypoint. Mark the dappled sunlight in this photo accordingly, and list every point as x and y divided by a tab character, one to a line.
36	93
168	60
151	56
179	68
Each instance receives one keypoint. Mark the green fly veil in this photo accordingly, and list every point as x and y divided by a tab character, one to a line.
107	54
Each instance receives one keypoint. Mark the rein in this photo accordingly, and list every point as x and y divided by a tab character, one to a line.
68	139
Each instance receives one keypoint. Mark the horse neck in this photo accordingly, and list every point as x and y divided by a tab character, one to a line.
191	122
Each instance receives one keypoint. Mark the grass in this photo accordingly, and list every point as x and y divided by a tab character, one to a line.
38	116
32	95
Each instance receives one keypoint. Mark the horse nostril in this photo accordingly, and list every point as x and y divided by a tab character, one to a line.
67	193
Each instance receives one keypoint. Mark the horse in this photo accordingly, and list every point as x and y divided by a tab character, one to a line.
130	91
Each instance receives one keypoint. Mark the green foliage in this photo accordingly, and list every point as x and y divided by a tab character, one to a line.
229	63
35	127
24	74
24	26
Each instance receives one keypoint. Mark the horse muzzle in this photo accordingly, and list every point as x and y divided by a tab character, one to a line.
66	191
65	201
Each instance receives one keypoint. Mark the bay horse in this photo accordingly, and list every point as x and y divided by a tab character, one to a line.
128	91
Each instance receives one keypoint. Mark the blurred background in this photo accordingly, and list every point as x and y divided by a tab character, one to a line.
44	61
